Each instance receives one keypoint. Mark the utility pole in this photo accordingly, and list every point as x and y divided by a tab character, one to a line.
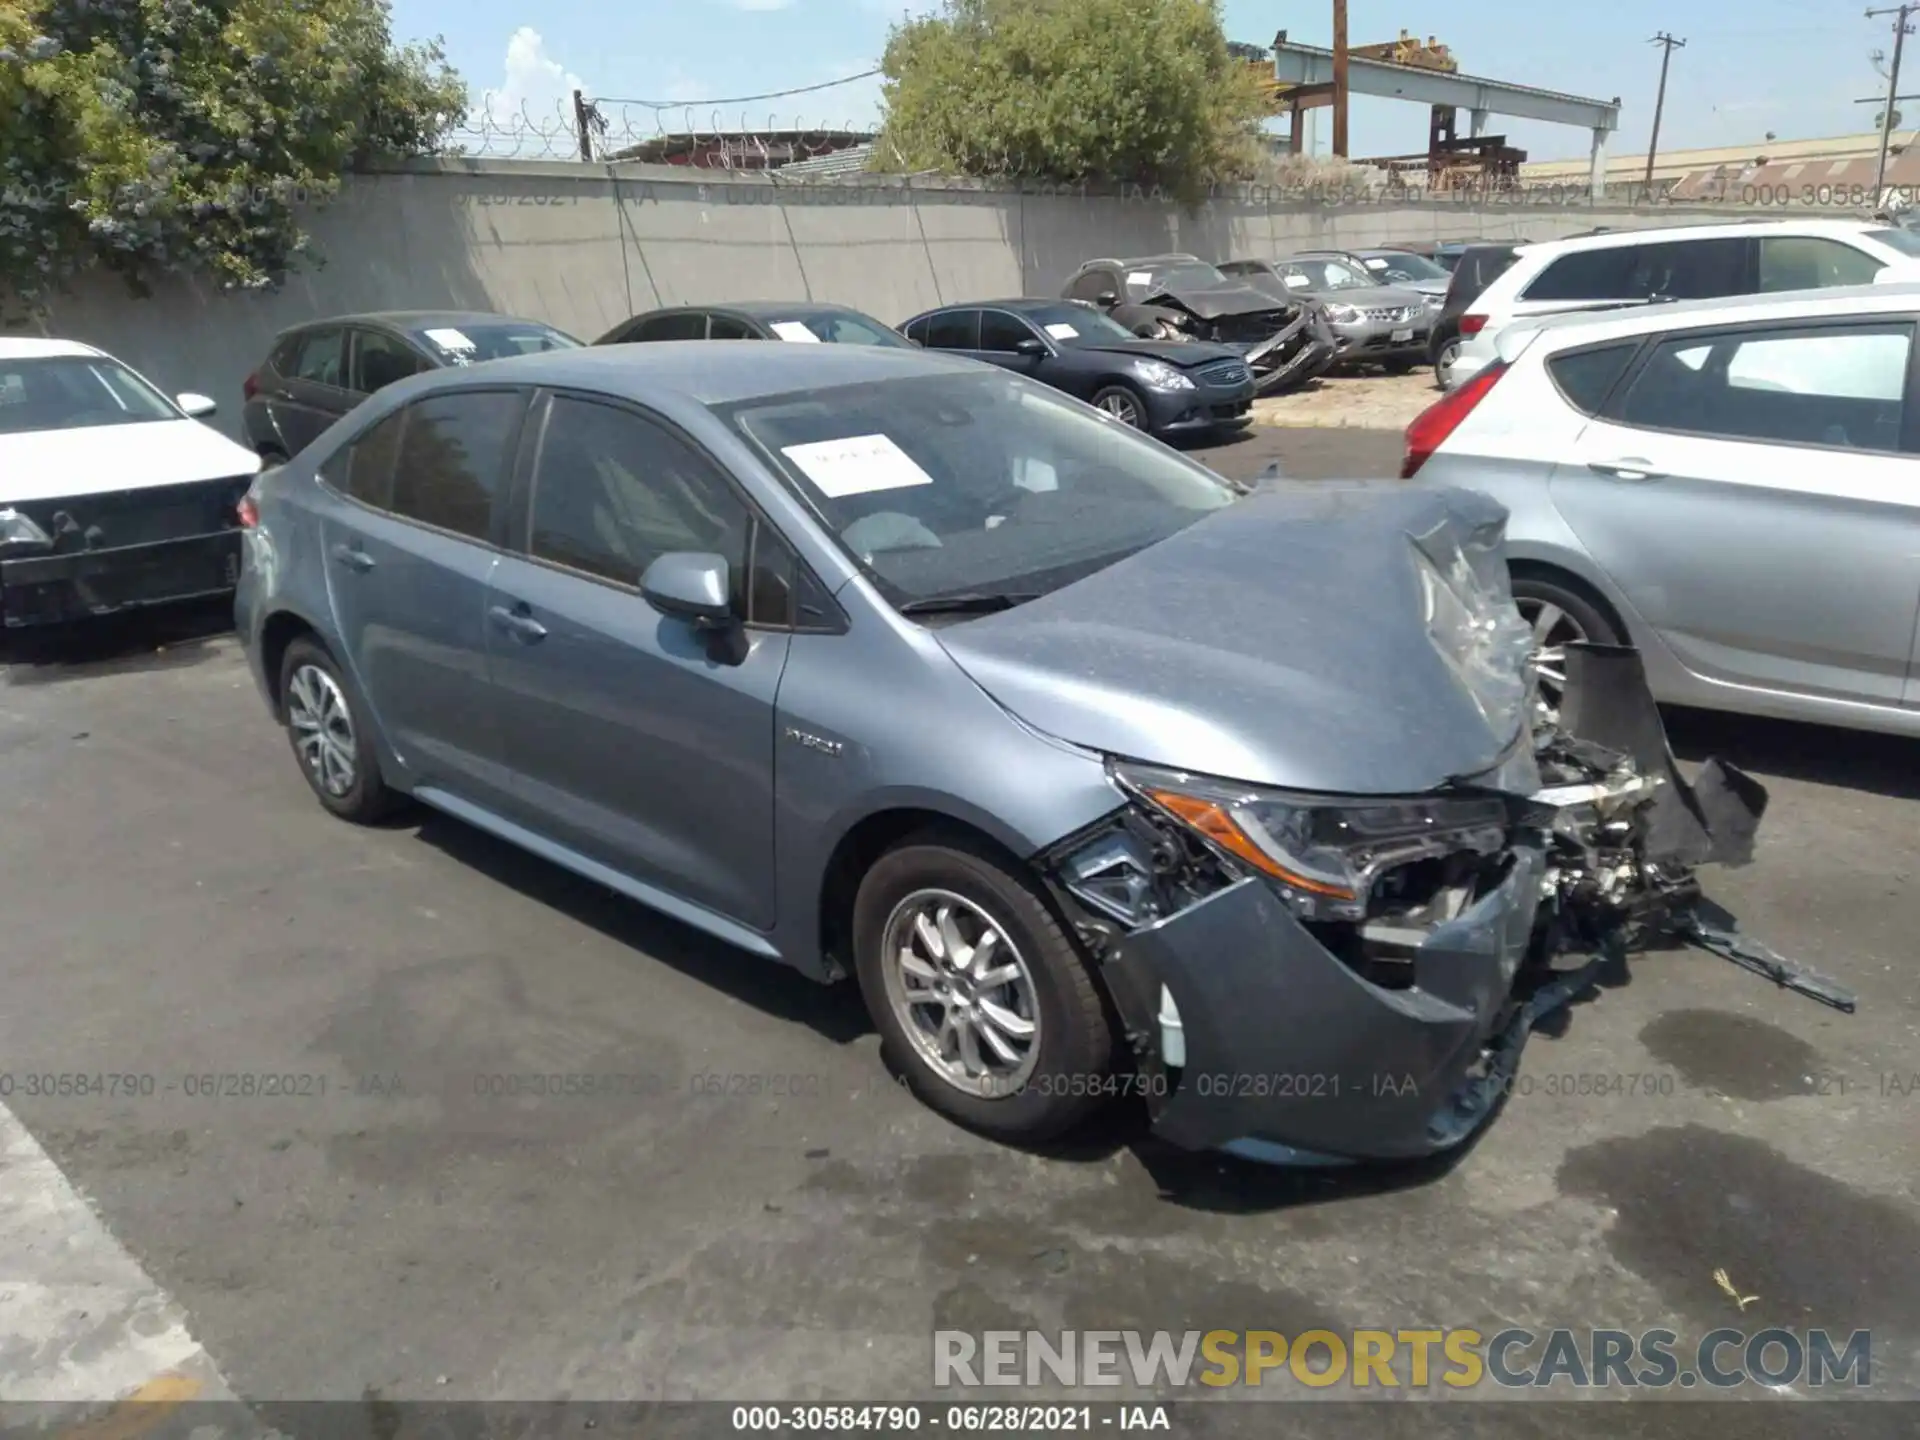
1901	29
1340	78
1669	45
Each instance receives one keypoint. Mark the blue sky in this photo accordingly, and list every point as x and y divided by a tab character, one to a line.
1751	66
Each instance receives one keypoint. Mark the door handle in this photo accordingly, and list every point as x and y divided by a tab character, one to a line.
1624	469
353	557
518	621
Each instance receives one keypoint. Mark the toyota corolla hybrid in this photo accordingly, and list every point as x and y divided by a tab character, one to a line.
1096	771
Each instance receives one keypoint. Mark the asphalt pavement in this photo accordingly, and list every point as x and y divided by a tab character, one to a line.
316	1143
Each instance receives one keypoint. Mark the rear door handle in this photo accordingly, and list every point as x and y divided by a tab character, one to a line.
1633	469
517	620
353	557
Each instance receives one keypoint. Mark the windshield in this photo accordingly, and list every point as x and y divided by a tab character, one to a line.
1078	324
1404	269
471	341
1905	241
1331	275
955	484
837	330
1194	276
70	392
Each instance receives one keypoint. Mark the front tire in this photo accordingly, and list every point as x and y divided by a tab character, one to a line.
1123	404
1560	616
330	737
984	1003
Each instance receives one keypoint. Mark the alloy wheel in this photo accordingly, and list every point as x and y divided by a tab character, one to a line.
962	993
322	727
1553	630
1122	407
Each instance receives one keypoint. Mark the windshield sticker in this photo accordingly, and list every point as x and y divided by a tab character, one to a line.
793	330
1297	282
454	342
1062	332
857	465
1140	277
1376	263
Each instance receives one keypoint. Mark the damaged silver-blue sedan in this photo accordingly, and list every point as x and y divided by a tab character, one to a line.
1102	775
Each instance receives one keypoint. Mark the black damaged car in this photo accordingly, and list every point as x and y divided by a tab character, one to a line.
1164	387
1182	297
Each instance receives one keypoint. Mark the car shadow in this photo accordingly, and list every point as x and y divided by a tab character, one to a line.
162	637
1217	439
834	1012
1794	750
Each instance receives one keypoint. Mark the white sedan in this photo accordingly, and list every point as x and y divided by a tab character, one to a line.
111	495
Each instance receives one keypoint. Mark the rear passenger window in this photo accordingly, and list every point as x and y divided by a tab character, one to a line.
723	327
917	331
321	358
681	325
371	462
1586	275
453	459
1834	387
954	330
1812	262
1587	377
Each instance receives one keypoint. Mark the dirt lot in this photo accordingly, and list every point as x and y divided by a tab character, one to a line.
176	906
1367	400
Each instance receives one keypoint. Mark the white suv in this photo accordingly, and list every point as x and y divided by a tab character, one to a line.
1615	269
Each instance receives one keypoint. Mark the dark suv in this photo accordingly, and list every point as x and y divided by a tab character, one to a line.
1477	267
319	371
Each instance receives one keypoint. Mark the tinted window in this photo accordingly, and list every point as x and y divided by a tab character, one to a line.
1677	270
453	456
1585	275
1475	271
1586	377
379	359
954	330
614	492
321	358
371	461
1094	284
1002	332
1812	262
1829	386
725	327
680	325
917	331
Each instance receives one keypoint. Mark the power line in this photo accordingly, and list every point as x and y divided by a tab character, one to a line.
1669	45
736	99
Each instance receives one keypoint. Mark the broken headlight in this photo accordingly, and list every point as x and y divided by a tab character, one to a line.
19	530
1326	855
1478	631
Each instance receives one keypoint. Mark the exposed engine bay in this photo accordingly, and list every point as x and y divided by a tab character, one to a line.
1285	346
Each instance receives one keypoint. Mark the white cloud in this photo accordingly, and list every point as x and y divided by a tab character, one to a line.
536	85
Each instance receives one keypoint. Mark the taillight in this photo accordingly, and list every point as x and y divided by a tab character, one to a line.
1472	324
250	387
1432	426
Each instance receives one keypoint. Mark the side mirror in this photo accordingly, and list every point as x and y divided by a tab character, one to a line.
1030	346
689	586
195	406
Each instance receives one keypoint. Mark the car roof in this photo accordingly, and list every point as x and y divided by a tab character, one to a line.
31	347
1839	300
758	309
1023	302
1660	234
1172	259
414	319
698	370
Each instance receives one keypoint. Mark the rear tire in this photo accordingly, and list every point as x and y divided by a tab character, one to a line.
1443	359
1041	1048
327	729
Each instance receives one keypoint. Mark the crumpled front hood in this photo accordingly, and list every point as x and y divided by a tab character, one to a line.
1281	641
1215	301
58	464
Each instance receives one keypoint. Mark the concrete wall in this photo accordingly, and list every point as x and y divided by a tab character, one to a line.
584	247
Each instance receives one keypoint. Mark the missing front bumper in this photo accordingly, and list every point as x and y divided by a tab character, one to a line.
57	588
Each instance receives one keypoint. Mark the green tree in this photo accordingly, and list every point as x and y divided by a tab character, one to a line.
1132	91
156	135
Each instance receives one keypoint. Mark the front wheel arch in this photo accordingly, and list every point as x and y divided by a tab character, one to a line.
1550	574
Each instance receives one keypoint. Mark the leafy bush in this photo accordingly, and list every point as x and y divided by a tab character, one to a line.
156	135
1080	91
